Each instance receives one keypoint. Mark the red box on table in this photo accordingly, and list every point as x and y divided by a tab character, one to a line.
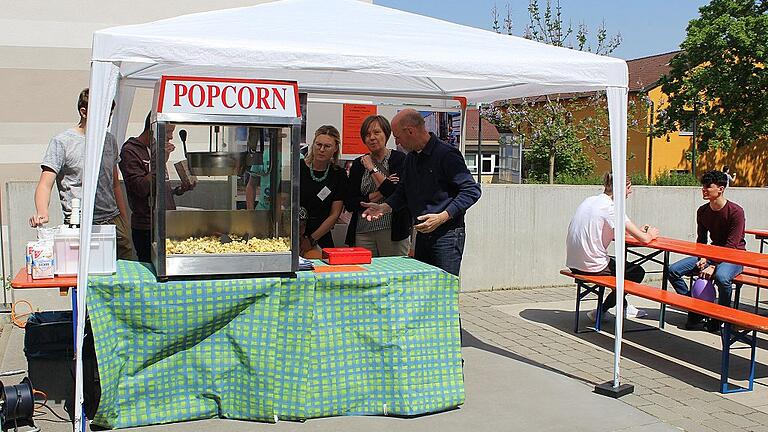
348	255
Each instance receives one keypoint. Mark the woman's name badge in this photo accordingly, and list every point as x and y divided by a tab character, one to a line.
324	192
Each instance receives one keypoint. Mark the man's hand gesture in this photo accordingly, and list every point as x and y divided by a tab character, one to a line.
374	211
430	221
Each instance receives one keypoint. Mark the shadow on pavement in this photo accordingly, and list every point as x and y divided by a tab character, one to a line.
470	341
677	347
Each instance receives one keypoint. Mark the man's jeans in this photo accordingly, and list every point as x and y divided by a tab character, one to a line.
723	277
442	250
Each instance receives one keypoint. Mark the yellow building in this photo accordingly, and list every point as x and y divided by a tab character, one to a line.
668	153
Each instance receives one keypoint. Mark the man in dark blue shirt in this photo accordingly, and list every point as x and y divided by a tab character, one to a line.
437	188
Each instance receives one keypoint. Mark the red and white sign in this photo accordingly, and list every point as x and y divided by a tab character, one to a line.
353	116
227	96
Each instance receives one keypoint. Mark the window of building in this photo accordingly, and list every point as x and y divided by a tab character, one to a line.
490	163
471	160
686	130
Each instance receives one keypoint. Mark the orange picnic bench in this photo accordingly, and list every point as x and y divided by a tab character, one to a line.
738	325
752	277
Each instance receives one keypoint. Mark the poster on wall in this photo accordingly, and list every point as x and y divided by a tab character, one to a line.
352	119
446	125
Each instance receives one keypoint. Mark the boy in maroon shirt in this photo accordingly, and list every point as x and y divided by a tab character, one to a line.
723	221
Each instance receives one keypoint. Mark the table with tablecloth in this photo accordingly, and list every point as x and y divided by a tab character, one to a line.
381	341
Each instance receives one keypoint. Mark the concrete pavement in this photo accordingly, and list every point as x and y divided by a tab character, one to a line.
526	370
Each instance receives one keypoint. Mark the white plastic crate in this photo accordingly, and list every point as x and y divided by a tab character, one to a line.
66	246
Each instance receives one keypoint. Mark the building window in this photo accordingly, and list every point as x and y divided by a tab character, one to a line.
686	130
471	160
490	163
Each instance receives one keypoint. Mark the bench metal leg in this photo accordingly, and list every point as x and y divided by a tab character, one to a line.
763	240
730	336
664	283
582	290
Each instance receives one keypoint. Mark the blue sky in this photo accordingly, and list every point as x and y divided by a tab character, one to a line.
647	26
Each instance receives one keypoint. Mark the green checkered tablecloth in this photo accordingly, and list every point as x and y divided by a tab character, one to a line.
383	341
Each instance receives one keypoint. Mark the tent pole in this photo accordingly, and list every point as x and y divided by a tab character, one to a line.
617	118
2	254
479	145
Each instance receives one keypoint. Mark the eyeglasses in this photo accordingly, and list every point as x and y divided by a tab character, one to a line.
324	146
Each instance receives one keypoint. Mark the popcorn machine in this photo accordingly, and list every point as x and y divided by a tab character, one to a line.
228	128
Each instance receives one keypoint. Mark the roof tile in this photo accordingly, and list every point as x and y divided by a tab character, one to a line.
645	72
489	130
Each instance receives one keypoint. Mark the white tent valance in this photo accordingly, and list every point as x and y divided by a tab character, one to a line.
344	47
351	46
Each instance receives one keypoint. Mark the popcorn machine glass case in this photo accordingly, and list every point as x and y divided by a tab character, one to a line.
214	238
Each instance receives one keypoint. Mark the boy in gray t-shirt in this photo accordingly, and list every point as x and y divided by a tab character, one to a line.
64	157
63	164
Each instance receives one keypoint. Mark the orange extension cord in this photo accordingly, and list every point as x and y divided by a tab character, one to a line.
15	317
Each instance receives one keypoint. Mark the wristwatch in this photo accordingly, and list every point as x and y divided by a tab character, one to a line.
374	170
312	242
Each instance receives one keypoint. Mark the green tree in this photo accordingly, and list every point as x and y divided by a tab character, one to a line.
722	73
556	137
554	142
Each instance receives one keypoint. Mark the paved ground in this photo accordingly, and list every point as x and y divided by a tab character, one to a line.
526	370
675	372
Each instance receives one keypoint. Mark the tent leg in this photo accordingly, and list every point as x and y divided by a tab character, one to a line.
84	420
607	389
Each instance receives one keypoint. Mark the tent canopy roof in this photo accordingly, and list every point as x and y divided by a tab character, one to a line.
349	46
338	46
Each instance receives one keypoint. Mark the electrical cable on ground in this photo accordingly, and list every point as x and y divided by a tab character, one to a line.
44	403
15	317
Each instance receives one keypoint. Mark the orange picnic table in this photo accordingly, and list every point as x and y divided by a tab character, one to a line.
667	245
22	280
761	235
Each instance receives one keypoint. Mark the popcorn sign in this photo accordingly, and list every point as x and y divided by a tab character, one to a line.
227	96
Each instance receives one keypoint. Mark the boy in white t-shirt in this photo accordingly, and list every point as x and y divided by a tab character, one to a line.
590	233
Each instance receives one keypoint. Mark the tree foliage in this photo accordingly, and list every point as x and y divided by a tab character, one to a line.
722	72
557	138
554	137
547	26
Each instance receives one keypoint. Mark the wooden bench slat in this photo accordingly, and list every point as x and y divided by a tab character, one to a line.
755	272
751	280
737	317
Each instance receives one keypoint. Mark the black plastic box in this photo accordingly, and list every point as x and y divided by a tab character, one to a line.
49	348
49	335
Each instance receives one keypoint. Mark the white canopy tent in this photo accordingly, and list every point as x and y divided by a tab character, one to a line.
338	47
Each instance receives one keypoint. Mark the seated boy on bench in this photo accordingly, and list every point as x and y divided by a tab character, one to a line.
590	233
723	222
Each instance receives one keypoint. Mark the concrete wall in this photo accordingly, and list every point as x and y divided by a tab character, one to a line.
45	51
516	233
